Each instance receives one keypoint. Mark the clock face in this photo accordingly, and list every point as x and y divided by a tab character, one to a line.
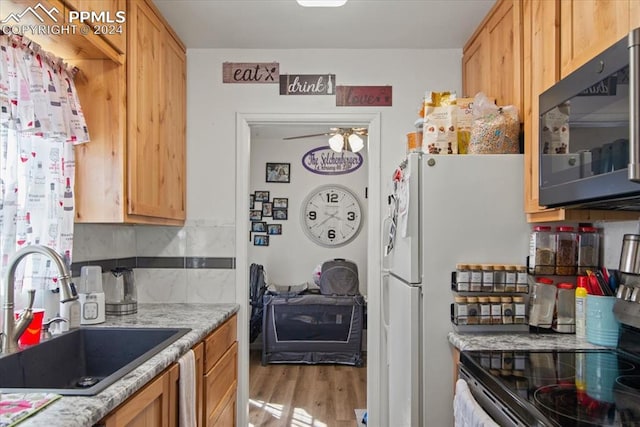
331	216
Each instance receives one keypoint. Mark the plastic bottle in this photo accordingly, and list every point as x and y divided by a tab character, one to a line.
581	308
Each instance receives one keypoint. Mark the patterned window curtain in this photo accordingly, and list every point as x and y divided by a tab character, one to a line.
40	122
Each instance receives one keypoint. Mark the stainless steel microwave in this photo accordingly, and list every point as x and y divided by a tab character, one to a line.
589	126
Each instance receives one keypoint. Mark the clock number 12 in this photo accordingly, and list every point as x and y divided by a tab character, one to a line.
332	198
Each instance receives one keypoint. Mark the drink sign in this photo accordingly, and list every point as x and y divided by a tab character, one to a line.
250	72
307	84
606	87
363	96
325	161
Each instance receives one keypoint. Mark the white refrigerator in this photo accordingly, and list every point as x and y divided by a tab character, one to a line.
445	210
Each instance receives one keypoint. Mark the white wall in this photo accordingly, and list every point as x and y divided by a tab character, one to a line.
291	257
212	105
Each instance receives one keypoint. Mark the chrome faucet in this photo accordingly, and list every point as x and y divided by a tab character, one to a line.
11	329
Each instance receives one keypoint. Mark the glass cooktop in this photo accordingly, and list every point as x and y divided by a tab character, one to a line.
562	388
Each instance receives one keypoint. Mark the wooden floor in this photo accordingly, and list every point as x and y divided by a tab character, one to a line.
305	395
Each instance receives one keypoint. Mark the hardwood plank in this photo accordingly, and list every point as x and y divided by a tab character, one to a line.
305	395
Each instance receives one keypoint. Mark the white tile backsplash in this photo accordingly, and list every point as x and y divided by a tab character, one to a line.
211	241
210	286
103	241
612	240
154	241
161	285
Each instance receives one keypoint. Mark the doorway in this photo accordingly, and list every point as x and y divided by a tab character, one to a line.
244	122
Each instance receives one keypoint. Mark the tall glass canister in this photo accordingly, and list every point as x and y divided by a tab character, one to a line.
588	249
542	250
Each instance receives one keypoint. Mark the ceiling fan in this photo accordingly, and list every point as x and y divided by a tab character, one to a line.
347	139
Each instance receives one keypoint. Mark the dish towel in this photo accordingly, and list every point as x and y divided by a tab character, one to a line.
15	407
187	390
466	410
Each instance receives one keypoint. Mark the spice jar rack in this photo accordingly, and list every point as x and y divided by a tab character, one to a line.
491	301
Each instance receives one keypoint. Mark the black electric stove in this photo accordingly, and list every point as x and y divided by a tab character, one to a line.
558	388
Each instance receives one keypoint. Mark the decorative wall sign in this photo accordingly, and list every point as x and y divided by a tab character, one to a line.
307	84
325	161
364	96
250	72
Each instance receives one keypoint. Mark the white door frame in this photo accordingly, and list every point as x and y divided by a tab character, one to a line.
243	152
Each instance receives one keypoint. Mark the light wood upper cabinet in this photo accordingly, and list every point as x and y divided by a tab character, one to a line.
155	117
590	26
555	42
505	72
475	64
541	40
136	115
491	61
522	48
634	14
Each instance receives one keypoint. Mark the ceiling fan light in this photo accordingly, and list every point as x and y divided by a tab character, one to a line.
356	142
336	142
321	3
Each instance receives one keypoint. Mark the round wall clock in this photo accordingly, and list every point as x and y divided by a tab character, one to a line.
331	215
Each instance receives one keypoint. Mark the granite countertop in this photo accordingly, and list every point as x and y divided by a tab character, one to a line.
85	411
518	341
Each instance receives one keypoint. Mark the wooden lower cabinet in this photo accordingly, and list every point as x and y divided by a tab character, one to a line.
154	405
220	380
157	403
220	385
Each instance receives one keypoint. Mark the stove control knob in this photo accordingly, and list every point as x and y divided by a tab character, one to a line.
620	291
627	293
635	295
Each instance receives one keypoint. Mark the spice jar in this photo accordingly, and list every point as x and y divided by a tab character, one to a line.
507	310
487	277
588	249
519	312
542	250
463	275
510	276
460	312
496	310
566	251
485	310
475	282
498	278
522	279
473	311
